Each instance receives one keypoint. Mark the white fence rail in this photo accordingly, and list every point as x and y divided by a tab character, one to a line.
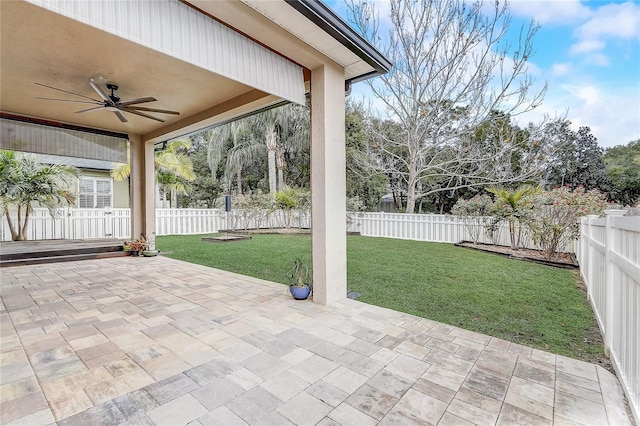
73	223
609	256
435	228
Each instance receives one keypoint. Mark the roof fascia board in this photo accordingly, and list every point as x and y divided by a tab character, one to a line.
325	18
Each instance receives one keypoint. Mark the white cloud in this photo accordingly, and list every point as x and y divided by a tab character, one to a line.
586	46
612	20
610	112
560	69
551	11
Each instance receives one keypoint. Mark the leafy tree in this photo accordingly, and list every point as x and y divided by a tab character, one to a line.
24	181
623	167
205	191
453	69
554	219
580	162
362	186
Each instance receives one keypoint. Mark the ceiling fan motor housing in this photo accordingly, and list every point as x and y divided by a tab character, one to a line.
113	96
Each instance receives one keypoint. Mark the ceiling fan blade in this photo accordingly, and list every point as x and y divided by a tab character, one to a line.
66	91
121	116
133	111
69	100
163	111
100	93
137	101
90	109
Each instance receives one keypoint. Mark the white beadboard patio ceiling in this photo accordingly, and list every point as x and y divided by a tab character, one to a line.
179	31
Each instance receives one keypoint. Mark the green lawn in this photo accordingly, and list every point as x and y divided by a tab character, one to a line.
535	305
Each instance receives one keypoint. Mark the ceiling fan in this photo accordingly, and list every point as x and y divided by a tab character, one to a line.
112	102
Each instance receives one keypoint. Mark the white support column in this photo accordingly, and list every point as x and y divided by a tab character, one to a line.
142	189
328	185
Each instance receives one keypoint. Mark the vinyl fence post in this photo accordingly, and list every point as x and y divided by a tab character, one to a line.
609	278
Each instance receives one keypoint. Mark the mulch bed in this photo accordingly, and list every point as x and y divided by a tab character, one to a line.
558	260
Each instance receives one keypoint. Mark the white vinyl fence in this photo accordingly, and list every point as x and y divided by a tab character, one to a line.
434	227
73	223
609	255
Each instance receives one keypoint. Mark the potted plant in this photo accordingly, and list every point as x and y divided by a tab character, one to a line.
149	249
135	247
299	275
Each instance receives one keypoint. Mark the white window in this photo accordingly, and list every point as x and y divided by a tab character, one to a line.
95	193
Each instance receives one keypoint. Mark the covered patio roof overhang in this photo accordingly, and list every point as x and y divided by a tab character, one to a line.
210	61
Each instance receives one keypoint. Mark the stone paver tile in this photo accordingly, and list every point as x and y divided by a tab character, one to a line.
369	335
222	416
254	404
327	393
59	368
486	384
285	386
384	355
389	342
65	400
363	347
297	356
360	363
580	392
314	368
612	394
545	357
434	390
345	379
471	413
411	349
304	409
265	365
468	354
106	414
345	414
140	419
136	402
577	381
23	406
579	410
179	411
371	401
520	349
42	417
577	368
444	378
239	350
407	367
209	371
449	419
274	419
18	388
165	366
514	416
170	388
532	397
327	421
217	393
245	378
328	350
416	408
390	383
448	362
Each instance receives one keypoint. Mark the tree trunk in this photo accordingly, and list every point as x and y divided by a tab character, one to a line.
239	181
272	171
512	234
12	228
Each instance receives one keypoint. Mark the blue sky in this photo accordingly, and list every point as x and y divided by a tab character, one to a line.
588	52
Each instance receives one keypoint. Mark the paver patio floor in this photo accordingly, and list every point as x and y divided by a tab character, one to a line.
155	341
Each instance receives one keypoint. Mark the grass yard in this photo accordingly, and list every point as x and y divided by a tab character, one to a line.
522	302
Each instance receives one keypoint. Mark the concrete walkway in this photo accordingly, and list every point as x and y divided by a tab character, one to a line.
154	341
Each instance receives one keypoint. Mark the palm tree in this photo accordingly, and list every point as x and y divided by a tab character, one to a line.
24	181
510	206
236	134
173	169
284	130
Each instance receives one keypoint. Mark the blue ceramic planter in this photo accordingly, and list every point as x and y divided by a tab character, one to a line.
300	293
